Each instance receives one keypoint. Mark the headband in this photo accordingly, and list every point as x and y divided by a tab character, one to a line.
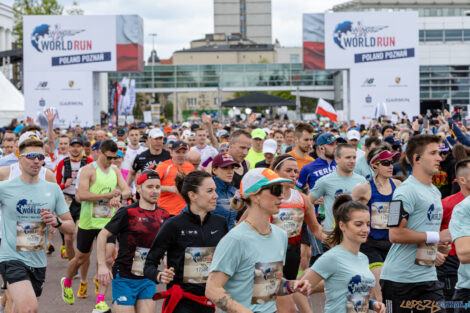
288	158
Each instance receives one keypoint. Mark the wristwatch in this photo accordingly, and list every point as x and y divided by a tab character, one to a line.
59	222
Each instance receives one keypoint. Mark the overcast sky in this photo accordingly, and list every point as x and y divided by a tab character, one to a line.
177	22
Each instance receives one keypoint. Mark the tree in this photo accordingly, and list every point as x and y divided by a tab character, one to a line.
75	9
32	7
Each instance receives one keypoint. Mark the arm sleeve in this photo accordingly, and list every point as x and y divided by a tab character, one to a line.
164	239
325	266
119	222
227	256
58	174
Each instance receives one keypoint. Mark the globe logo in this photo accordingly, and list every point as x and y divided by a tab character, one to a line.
341	30
39	32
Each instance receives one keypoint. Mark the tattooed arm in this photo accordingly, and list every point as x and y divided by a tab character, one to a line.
216	293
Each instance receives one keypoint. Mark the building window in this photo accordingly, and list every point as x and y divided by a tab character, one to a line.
192	102
215	101
434	35
453	34
294	58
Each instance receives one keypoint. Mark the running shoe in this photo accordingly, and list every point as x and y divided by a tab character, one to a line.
101	307
50	248
67	293
83	291
63	252
97	285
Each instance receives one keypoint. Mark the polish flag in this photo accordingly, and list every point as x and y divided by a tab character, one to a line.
327	110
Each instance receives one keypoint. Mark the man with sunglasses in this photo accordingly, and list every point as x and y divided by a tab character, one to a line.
28	205
100	188
136	227
377	193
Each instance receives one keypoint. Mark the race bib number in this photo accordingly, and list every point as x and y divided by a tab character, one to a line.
30	236
426	254
267	282
357	304
101	209
197	262
290	220
138	262
68	200
379	215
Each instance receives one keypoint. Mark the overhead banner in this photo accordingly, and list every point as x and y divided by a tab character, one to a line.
370	39
71	93
397	88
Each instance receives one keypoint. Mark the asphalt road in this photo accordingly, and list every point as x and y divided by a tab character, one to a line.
51	300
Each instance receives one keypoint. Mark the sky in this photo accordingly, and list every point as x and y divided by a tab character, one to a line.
177	22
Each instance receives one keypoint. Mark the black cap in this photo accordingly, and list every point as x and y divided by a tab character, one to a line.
179	145
121	132
76	140
96	146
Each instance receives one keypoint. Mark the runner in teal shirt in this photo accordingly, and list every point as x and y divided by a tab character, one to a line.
459	227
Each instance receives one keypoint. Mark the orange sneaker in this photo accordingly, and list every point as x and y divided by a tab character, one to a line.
63	252
83	290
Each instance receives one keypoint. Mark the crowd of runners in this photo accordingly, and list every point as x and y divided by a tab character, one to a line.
251	216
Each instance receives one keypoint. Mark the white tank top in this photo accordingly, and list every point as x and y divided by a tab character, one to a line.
15	171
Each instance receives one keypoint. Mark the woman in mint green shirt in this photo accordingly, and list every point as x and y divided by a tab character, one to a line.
345	270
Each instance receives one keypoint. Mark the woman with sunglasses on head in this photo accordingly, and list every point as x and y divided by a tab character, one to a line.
294	214
344	269
246	273
223	169
189	240
377	194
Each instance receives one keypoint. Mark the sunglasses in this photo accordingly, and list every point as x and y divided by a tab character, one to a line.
111	158
276	189
386	162
442	153
33	156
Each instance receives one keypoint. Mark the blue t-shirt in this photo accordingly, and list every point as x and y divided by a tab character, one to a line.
330	187
8	160
459	226
348	279
405	263
254	264
311	172
363	169
24	233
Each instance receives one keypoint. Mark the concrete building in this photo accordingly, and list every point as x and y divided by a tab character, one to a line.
6	38
444	46
251	18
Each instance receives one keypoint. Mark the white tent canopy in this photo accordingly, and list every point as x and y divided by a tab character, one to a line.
11	102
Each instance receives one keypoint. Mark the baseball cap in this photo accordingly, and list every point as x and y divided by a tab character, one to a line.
353	135
258	133
394	141
224	160
177	145
186	124
76	140
29	135
171	138
141	125
269	146
385	155
444	146
258	178
96	146
156	133
147	174
121	132
326	139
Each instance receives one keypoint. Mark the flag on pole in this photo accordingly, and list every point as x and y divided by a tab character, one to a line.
327	110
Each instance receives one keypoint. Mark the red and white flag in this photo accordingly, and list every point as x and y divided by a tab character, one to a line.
327	110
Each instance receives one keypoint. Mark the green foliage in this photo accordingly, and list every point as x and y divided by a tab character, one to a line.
168	111
32	7
75	9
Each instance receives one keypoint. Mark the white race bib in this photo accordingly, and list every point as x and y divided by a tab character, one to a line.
30	236
290	220
357	303
379	215
102	209
267	282
426	254
138	262
197	262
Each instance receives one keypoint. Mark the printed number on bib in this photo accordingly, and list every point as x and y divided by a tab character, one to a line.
197	261
30	236
138	262
290	220
379	215
267	282
426	254
101	209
